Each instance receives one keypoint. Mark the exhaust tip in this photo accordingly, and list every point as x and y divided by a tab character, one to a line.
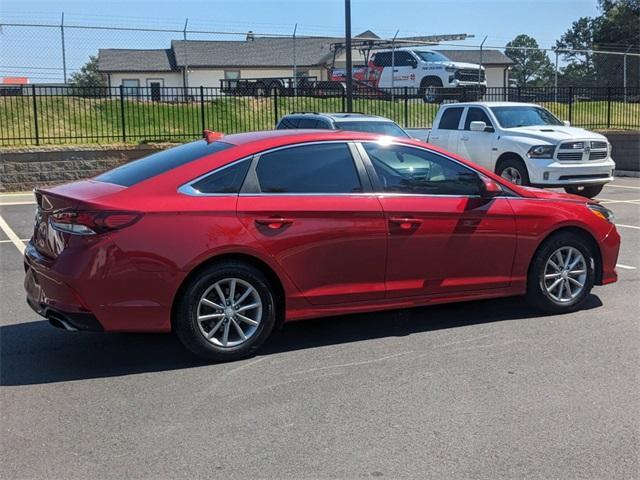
59	322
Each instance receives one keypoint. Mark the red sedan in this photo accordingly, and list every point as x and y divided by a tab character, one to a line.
221	239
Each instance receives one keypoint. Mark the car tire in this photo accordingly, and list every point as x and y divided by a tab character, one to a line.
589	191
514	170
431	90
543	274
192	324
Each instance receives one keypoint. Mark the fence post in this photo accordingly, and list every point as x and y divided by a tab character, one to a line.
202	108
124	132
275	107
344	98
571	105
608	107
35	114
406	107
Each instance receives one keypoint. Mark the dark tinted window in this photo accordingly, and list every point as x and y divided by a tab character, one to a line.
147	167
405	169
403	59
383	128
318	168
475	114
224	180
288	122
450	118
382	59
310	123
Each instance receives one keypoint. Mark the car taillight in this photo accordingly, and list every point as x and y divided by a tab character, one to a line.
91	223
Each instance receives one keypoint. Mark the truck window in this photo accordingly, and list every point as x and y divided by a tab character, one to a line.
403	59
309	123
288	122
382	59
450	118
475	114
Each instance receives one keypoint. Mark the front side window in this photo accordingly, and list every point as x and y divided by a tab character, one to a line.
525	116
403	59
227	179
475	114
451	118
403	169
317	168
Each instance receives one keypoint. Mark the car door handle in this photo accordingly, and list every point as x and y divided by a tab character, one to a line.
395	69
274	223
405	223
464	139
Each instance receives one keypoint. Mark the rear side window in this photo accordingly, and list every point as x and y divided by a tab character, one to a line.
382	59
450	118
317	168
144	168
475	114
224	180
288	122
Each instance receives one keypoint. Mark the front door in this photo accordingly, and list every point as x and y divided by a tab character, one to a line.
443	237
311	207
477	146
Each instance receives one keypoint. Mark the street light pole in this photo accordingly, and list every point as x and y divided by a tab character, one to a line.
349	72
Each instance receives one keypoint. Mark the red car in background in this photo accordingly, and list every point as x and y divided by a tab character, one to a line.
220	239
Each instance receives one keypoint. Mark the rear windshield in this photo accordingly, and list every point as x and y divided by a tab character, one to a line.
160	162
384	128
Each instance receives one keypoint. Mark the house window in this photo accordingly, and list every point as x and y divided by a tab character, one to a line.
231	74
130	87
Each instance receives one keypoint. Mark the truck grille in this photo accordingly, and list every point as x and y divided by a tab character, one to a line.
570	156
575	151
598	155
469	75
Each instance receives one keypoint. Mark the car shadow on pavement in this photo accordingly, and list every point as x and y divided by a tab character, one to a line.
36	353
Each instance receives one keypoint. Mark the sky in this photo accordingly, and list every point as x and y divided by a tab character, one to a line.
37	51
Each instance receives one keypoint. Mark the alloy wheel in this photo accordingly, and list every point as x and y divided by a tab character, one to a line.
512	174
565	274
229	312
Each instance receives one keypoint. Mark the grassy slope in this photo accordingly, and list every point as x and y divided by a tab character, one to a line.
89	120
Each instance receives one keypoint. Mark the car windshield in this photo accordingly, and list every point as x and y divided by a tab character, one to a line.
431	56
384	128
512	117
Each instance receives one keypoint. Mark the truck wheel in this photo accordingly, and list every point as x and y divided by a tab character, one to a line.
514	170
585	191
431	90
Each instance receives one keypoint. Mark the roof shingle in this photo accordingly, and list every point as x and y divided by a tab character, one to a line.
128	60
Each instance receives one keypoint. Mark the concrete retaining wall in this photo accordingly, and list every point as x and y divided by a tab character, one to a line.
25	168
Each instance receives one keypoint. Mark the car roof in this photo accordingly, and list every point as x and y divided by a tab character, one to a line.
340	117
491	104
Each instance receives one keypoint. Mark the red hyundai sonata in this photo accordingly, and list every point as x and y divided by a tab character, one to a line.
221	239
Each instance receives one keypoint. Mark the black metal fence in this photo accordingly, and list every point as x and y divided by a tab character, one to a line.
36	115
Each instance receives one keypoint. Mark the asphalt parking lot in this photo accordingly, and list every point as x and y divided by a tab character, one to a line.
488	389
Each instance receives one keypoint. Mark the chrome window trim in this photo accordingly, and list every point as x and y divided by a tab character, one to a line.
187	188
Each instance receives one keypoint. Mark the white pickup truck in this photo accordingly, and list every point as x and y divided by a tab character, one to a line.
525	144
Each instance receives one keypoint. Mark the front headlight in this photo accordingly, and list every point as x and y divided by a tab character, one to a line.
602	212
450	68
541	151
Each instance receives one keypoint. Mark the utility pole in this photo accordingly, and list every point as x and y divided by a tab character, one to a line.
295	67
349	72
393	64
186	60
64	53
480	69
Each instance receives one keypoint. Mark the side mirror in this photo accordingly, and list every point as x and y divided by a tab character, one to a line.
566	123
490	189
477	126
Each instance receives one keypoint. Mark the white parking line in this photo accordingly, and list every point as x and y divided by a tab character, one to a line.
622	186
625	267
13	238
16	203
627	226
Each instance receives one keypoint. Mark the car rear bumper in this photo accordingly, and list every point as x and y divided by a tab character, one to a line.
551	173
52	297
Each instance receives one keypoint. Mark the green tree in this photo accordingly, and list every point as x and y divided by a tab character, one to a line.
531	65
88	75
574	48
